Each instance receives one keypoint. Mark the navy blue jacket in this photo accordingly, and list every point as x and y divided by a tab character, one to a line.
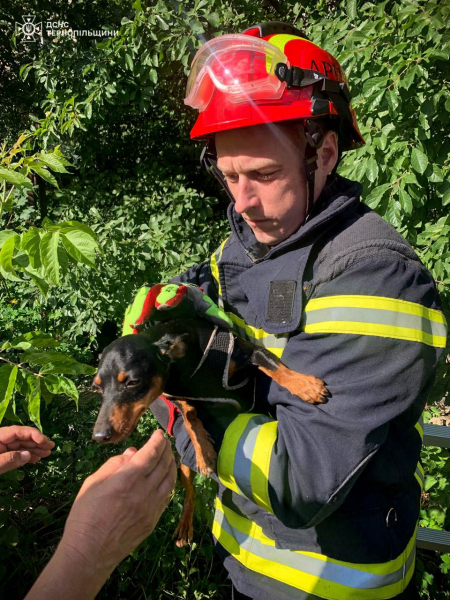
346	299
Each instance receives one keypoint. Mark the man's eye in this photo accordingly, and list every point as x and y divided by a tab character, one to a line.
231	178
267	176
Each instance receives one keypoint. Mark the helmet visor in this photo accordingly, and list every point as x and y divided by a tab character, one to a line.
241	66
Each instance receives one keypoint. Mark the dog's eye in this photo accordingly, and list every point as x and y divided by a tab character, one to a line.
132	383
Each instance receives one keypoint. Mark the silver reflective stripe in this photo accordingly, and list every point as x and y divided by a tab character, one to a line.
419	474
373	315
244	453
324	569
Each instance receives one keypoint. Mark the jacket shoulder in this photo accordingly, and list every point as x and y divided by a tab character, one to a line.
360	236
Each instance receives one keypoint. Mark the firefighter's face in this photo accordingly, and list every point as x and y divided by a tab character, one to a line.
263	167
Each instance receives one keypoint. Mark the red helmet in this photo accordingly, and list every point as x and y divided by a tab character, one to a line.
238	82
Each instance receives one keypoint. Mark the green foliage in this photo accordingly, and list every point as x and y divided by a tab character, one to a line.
36	501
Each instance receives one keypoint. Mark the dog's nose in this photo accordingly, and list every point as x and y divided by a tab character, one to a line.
102	436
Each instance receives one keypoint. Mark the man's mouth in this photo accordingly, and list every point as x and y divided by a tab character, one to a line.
257	222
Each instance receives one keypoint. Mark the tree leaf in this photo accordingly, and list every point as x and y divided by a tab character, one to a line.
36	339
49	256
34	400
58	384
405	201
52	161
6	254
408	77
55	362
153	76
213	18
66	226
374	85
376	195
129	61
15	178
36	277
372	169
196	26
31	241
45	174
429	482
419	161
80	246
8	375
5	235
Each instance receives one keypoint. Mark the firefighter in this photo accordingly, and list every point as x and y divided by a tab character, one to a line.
314	501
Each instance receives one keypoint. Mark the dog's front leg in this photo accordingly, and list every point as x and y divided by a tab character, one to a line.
185	530
204	450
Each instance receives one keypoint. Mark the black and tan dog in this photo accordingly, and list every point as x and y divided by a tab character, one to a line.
136	369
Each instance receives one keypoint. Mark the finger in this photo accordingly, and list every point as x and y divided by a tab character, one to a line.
27	445
162	468
130	451
39	452
108	469
13	433
13	460
146	459
167	485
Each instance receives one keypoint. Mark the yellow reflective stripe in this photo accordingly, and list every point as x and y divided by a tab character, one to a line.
227	451
376	316
213	263
259	475
386	331
419	427
244	457
281	39
371	581
376	302
273	343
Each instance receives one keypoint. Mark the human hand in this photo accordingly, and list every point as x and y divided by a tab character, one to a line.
119	505
20	445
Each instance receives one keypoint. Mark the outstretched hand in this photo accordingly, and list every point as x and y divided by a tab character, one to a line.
20	445
116	509
119	505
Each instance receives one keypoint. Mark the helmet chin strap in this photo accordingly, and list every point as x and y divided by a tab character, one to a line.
314	140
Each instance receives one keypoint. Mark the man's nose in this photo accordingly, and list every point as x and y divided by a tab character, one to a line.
245	196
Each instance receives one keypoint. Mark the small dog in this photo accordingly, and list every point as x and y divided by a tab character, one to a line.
136	369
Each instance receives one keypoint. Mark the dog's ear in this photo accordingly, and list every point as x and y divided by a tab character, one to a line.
172	346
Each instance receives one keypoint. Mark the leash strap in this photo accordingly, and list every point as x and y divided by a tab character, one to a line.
173	410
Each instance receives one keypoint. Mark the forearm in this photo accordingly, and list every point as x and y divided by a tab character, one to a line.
68	576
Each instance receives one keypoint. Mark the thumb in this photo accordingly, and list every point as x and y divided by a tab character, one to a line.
13	460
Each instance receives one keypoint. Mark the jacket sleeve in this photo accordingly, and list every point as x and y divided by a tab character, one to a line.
374	335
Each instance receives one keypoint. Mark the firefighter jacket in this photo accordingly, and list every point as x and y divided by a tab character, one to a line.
322	501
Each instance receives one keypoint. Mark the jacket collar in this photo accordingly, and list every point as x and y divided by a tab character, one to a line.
336	197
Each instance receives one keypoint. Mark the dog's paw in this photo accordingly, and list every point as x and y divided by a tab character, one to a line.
184	533
206	459
314	390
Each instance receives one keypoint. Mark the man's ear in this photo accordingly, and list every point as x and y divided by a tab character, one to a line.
172	346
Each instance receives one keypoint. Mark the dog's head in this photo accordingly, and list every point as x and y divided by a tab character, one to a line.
132	373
